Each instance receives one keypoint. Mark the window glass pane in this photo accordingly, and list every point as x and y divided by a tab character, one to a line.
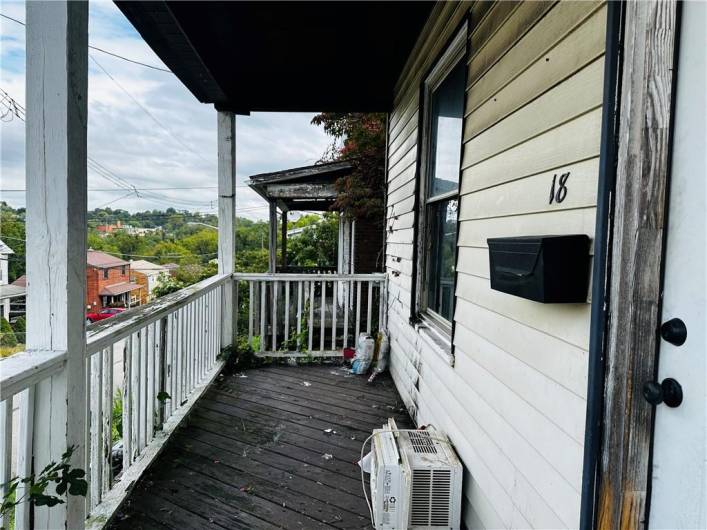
442	219
446	119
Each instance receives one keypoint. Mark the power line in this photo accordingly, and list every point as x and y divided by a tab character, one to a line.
96	48
159	123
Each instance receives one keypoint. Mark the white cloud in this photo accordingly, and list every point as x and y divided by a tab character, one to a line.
123	138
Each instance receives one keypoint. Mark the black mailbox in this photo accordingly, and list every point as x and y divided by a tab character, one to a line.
548	269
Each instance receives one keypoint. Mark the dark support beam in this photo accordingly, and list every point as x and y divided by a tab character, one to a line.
272	238
634	287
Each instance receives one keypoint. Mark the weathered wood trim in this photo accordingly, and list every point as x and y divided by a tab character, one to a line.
268	277
114	498
226	139
57	94
301	191
104	334
636	265
272	238
25	369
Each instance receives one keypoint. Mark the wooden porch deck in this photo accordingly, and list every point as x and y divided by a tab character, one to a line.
274	449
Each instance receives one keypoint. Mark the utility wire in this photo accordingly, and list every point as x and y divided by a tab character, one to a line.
96	48
159	123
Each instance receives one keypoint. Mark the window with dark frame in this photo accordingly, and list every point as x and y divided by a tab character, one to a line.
105	274
444	93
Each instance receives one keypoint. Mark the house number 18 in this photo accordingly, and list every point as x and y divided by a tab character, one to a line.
559	194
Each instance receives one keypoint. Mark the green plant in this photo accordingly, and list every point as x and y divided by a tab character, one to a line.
7	336
117	423
20	328
68	481
239	356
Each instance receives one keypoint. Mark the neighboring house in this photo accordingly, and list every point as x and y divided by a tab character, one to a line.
147	274
6	254
108	282
171	268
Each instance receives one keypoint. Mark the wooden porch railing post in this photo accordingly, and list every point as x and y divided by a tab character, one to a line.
226	125
56	84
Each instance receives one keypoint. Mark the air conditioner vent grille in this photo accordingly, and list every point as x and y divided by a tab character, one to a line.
430	497
422	442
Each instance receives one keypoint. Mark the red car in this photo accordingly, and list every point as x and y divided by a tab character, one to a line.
103	314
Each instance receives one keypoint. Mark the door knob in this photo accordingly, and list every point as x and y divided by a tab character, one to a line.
668	392
674	331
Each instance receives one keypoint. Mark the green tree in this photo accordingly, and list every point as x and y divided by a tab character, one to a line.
316	245
169	252
7	336
359	138
12	231
203	243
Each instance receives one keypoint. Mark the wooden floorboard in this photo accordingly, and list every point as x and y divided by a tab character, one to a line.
274	447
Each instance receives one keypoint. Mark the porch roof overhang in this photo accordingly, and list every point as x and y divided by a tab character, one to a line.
283	56
301	188
119	288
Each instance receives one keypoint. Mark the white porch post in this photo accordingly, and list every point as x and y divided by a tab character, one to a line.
57	85
226	124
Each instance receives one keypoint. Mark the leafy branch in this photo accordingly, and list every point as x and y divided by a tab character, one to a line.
68	481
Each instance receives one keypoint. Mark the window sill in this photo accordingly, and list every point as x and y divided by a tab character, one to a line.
438	341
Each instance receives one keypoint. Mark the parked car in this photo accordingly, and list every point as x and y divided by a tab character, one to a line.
103	314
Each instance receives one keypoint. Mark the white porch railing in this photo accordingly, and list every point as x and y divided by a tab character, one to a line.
167	352
161	356
308	314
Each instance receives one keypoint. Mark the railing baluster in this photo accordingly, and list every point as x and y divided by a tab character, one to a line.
358	312
322	331
274	314
107	420
24	456
168	366
381	305
190	349
157	387
262	316
150	382
347	291
287	312
87	433
127	401
311	314
369	308
5	449
137	393
144	386
300	285
251	314
96	426
335	287
181	353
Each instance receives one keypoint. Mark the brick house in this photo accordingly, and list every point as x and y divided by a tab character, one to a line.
108	282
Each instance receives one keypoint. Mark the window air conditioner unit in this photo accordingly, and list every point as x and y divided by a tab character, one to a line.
416	480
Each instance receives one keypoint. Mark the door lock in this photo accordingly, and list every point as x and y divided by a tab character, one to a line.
674	331
668	392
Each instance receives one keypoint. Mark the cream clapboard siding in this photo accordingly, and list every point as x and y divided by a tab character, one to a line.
514	400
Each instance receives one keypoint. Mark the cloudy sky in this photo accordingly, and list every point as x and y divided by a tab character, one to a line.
125	137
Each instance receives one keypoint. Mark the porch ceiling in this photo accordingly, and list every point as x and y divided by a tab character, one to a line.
283	56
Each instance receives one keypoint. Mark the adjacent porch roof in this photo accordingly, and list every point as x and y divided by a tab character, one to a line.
301	188
283	56
119	288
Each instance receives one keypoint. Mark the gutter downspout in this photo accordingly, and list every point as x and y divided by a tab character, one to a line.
602	257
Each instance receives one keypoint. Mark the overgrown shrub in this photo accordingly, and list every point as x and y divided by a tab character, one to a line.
240	356
20	328
7	336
